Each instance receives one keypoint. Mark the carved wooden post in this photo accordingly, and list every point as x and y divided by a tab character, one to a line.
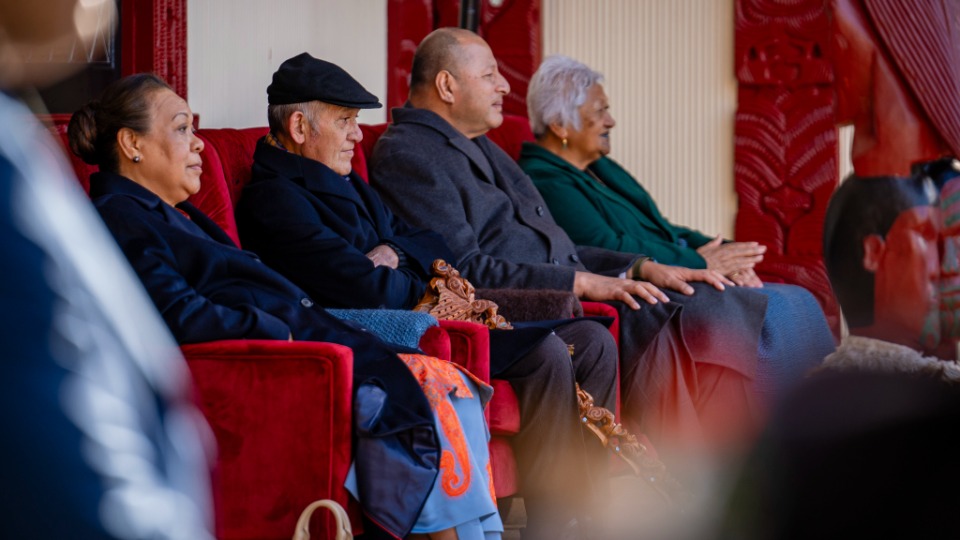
511	28
154	37
785	139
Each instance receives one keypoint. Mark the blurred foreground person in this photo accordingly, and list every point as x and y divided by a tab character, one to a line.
854	454
101	438
864	447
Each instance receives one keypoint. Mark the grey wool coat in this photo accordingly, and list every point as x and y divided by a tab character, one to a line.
488	210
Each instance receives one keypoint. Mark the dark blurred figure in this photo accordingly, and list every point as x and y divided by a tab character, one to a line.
854	454
101	440
864	447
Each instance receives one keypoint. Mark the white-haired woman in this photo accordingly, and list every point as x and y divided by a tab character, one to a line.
599	203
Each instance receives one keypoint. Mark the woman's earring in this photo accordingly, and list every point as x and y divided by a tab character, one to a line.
136	159
564	143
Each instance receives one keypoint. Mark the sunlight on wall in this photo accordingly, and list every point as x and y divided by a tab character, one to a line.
845	147
669	74
236	45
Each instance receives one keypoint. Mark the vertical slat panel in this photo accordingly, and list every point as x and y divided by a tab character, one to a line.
236	45
668	66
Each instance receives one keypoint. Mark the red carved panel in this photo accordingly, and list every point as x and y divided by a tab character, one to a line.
154	38
408	22
786	139
512	29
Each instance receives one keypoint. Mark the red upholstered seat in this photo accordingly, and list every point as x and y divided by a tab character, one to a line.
228	159
281	413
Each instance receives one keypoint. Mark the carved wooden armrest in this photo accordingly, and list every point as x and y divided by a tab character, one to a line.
451	297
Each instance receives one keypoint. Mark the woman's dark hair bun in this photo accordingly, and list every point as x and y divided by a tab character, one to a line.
123	104
82	133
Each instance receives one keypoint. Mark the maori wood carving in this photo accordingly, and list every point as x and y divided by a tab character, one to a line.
623	444
511	27
154	38
786	140
450	297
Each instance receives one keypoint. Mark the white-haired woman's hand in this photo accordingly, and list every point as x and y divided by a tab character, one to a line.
732	256
678	278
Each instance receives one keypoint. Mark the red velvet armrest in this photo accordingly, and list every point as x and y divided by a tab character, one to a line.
436	342
470	347
281	413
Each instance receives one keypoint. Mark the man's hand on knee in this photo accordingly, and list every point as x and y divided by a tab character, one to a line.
599	288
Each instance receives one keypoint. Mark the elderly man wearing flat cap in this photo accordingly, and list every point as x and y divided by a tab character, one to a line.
309	216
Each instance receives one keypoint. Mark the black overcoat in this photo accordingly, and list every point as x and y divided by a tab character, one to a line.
316	227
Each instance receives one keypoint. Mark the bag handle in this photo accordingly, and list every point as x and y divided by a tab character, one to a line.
344	532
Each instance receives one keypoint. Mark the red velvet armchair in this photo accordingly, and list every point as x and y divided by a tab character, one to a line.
230	152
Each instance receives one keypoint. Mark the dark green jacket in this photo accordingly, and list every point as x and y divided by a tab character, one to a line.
620	215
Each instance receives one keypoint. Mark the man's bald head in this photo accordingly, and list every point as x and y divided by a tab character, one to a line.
440	50
456	76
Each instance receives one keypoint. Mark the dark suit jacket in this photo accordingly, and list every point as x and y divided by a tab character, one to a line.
316	227
207	289
487	209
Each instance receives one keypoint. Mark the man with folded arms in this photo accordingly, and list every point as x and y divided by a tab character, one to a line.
307	214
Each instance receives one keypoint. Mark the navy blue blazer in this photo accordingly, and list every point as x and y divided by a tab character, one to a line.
207	289
315	227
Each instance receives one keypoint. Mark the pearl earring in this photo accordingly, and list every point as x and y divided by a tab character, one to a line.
564	143
136	159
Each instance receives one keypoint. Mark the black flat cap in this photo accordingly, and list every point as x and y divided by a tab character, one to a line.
305	78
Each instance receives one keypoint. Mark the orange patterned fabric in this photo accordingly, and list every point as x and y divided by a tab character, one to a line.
490	488
441	379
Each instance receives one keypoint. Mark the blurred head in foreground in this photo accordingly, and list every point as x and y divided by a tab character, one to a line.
103	440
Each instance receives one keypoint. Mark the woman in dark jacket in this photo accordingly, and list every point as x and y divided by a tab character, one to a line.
421	460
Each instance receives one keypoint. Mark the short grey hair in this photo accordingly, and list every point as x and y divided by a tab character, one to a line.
556	92
277	115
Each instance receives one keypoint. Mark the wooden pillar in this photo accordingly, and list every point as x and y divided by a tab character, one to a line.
153	34
786	150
